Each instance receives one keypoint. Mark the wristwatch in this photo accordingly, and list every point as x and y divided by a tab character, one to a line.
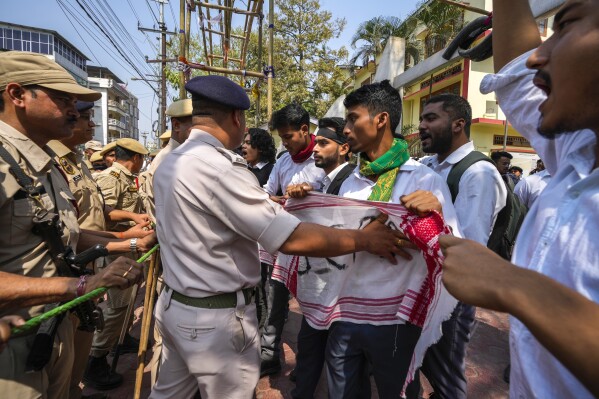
133	245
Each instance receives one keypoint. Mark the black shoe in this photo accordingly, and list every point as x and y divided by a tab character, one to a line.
292	376
98	376
130	345
95	396
270	367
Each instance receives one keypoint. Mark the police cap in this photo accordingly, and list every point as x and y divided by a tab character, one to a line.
84	105
180	109
108	147
218	89
93	145
132	145
28	69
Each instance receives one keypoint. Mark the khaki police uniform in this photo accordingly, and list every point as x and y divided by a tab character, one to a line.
91	216
119	189
24	253
210	214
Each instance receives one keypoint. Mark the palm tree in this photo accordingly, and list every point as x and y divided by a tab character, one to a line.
442	22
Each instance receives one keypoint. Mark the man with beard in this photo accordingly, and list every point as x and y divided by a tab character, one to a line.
445	131
548	91
292	123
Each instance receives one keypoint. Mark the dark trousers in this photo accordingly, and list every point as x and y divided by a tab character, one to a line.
351	348
261	299
278	300
444	364
311	344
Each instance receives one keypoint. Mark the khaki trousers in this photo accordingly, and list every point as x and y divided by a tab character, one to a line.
215	350
49	383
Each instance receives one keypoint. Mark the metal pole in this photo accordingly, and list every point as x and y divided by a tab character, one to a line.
505	124
162	70
271	33
182	94
260	18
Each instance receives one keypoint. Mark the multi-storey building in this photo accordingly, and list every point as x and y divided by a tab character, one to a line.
116	113
47	42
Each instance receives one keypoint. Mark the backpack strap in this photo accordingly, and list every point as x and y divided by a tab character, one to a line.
453	179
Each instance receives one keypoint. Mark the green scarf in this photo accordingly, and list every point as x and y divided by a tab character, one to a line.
386	168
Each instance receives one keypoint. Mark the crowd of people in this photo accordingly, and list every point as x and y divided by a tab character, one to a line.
214	199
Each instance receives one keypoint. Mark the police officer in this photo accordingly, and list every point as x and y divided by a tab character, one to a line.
37	104
90	148
108	153
119	188
210	213
180	114
92	214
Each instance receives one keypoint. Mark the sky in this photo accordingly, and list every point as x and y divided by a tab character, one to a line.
63	16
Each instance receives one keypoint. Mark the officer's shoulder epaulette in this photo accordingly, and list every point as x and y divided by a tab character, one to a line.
235	159
115	173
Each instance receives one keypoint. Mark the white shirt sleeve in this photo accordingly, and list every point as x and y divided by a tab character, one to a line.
274	180
520	99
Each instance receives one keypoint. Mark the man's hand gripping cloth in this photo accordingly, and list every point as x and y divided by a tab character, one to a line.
364	288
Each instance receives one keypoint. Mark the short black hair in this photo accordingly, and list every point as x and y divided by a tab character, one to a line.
123	154
516	168
1	101
292	115
377	97
456	106
499	154
261	140
335	123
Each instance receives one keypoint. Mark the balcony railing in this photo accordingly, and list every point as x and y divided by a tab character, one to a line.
116	123
118	106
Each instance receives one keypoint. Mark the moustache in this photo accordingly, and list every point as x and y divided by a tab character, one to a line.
544	76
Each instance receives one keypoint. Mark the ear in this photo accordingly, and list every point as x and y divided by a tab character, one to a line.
381	119
459	125
237	117
305	129
15	93
343	149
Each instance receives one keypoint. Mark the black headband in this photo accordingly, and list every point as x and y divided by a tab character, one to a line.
331	135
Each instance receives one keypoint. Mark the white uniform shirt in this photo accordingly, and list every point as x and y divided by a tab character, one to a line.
328	179
559	235
482	193
412	176
529	188
210	213
286	172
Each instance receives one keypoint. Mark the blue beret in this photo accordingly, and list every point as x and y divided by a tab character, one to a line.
219	89
84	105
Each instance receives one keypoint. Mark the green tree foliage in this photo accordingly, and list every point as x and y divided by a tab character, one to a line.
440	23
306	68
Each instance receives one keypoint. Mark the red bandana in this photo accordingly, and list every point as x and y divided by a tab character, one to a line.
305	153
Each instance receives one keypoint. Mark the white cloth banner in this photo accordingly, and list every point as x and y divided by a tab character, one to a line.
364	288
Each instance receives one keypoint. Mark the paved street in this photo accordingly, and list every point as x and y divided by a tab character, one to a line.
487	358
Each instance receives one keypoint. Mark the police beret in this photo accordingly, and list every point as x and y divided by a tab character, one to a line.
84	105
28	69
132	145
108	147
165	136
180	109
218	89
93	145
96	157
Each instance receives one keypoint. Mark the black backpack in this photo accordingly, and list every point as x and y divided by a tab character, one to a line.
510	218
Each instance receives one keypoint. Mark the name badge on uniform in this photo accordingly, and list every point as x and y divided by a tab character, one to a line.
132	189
76	178
66	166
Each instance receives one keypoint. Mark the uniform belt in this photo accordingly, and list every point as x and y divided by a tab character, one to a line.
220	301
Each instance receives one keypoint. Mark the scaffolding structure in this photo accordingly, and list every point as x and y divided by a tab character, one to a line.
225	52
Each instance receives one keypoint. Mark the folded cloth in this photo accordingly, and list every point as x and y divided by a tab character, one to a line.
367	289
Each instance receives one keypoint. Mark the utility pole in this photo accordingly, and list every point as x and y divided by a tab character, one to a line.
163	61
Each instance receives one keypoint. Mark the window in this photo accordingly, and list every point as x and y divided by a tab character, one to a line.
512	141
453	89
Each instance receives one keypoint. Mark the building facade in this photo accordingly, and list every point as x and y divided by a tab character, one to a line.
116	114
47	42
